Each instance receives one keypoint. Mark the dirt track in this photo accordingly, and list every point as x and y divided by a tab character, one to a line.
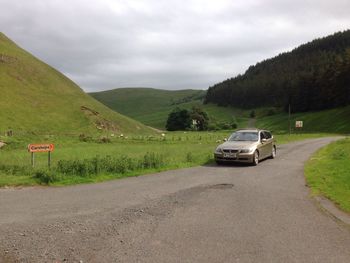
203	214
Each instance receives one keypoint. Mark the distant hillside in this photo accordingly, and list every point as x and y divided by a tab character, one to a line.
147	105
329	121
37	98
314	76
152	106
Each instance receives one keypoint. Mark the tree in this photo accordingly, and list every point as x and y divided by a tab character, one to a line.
200	119
178	119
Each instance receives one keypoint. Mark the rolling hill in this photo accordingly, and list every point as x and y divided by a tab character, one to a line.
312	77
152	106
327	121
37	98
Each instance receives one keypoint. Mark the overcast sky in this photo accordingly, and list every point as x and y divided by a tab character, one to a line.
170	44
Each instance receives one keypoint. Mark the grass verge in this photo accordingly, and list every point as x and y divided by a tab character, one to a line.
75	161
327	173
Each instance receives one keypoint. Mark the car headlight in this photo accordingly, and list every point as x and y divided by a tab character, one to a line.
218	150
246	150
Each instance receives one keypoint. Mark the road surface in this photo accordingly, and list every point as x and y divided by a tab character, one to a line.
202	214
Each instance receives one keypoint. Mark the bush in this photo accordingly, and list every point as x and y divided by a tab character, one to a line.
84	138
222	126
108	164
122	164
252	114
271	112
104	139
14	169
189	157
225	126
213	127
45	177
152	160
178	119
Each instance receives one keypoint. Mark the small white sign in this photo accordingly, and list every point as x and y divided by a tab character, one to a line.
299	124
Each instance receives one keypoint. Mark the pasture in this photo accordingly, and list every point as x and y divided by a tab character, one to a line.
84	160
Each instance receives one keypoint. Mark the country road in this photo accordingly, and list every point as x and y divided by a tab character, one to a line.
204	214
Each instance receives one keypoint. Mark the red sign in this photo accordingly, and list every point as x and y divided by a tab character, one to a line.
40	148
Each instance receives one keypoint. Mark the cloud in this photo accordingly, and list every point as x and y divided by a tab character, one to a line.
164	44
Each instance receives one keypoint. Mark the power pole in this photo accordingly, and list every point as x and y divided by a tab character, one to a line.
290	125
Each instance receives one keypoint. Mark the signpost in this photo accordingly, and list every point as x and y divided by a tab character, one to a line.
33	148
299	124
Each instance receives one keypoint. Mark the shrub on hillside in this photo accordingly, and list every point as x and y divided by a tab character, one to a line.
45	177
182	119
179	119
84	138
252	114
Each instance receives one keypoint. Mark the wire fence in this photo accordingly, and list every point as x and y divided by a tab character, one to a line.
11	133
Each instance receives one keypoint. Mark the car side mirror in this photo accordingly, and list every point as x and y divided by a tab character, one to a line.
225	139
263	140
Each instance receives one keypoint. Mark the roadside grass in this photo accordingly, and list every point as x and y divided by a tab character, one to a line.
286	138
75	161
137	154
328	121
327	173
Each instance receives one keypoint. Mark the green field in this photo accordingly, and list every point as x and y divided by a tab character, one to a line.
152	106
327	173
179	149
74	161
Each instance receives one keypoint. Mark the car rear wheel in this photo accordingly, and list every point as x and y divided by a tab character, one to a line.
255	158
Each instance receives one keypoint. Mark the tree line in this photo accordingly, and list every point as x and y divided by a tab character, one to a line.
196	119
314	76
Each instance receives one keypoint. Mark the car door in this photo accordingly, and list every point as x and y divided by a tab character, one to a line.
268	144
263	145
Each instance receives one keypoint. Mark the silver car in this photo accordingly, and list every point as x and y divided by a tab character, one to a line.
247	145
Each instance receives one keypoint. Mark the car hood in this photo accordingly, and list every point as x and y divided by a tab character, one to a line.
238	145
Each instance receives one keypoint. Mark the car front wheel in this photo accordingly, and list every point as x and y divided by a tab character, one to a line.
273	153
255	158
218	162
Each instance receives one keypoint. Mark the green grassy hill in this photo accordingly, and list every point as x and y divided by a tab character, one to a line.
37	98
329	121
152	106
312	77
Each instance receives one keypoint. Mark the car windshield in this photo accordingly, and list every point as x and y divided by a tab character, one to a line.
243	136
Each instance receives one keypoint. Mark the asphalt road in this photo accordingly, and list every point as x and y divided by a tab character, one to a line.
202	214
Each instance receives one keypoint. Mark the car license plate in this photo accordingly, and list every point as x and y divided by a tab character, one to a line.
229	155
